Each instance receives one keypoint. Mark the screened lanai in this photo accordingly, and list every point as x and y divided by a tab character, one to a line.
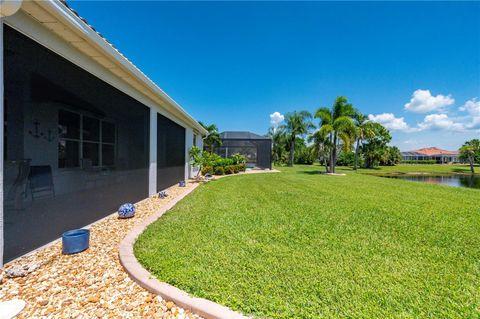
256	148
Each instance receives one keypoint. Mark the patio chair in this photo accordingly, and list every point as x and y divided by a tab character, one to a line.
40	180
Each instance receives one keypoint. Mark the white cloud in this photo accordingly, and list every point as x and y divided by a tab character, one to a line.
472	107
440	122
390	121
474	124
423	101
276	118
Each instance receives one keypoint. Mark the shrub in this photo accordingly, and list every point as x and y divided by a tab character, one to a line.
229	169
210	159
419	162
238	158
236	168
207	170
219	170
223	162
346	158
304	156
242	167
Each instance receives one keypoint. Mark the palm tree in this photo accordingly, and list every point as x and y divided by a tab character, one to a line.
337	124
469	151
364	129
321	147
212	138
297	123
279	141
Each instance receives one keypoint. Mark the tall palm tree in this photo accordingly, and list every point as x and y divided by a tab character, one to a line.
279	141
212	138
321	147
469	151
337	124
297	123
364	129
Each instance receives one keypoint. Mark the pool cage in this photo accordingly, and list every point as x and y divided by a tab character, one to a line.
257	149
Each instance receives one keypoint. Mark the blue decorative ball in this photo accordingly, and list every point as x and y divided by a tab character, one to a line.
182	184
162	194
126	211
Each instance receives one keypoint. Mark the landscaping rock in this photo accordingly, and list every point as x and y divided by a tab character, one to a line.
91	284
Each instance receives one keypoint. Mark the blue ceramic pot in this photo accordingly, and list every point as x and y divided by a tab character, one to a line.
126	211
182	184
75	241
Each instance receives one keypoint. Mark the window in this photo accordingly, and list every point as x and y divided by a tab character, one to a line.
69	139
85	139
108	144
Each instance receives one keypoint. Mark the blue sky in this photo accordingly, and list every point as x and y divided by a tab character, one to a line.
413	66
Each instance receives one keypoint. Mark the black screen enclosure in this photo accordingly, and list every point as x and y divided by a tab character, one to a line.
76	148
257	149
170	152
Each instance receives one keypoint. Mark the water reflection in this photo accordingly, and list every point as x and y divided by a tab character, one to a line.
471	181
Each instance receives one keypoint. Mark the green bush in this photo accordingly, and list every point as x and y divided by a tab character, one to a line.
210	159
419	162
236	168
218	170
304	156
223	162
238	158
207	170
242	167
229	169
346	158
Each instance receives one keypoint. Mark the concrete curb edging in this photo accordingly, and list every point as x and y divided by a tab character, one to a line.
200	306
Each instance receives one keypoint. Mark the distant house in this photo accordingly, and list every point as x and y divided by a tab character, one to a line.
256	148
432	153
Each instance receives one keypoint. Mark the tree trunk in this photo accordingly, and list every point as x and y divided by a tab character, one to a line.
356	155
332	168
334	154
292	153
326	165
471	159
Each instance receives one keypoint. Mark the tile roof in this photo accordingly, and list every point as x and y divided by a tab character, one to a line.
431	151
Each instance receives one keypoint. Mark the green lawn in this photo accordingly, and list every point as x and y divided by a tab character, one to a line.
298	244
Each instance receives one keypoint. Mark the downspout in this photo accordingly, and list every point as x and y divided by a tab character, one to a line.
7	8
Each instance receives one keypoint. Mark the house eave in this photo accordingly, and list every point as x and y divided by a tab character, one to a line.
60	19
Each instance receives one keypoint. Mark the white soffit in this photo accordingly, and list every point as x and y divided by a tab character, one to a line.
56	17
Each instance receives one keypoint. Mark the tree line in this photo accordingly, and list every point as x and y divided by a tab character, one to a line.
344	135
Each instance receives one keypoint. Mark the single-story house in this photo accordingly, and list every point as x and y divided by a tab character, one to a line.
84	129
257	149
432	153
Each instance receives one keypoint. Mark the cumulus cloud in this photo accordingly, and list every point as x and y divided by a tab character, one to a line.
474	124
440	122
276	118
472	107
390	121
423	101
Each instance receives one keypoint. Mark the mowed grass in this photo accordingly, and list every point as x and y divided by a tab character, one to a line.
298	244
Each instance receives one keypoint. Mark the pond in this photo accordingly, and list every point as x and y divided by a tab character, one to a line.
471	181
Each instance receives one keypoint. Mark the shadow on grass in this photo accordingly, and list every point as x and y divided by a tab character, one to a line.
315	172
461	170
